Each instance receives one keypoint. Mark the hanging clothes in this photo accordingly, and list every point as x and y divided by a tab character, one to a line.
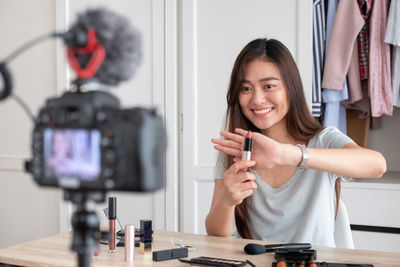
363	37
379	81
334	113
342	58
396	75
318	54
392	36
358	91
358	105
348	23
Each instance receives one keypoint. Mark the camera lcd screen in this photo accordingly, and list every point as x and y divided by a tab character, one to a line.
72	153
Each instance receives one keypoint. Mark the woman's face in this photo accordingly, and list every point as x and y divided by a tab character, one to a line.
61	145
263	96
81	143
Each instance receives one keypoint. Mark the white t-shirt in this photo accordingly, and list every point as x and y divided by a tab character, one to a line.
303	208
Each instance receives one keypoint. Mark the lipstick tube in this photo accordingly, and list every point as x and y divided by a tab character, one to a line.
146	236
246	153
129	243
112	215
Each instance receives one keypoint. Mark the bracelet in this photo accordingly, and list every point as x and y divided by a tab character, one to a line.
304	157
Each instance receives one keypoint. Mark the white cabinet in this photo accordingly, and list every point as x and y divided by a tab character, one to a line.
374	202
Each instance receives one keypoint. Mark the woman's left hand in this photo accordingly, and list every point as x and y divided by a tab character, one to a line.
265	151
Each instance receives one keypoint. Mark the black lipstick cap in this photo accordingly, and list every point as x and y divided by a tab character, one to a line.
247	144
112	208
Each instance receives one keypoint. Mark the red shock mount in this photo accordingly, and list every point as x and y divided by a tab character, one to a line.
92	47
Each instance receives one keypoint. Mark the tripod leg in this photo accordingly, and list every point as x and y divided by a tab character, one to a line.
84	260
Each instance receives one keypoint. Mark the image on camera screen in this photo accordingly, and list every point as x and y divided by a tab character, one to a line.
72	153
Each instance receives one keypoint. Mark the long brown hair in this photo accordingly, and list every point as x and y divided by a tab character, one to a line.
299	122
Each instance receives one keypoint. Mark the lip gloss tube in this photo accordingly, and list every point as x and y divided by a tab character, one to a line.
246	154
112	215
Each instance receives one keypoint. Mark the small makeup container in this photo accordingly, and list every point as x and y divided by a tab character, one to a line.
246	154
112	215
129	243
146	237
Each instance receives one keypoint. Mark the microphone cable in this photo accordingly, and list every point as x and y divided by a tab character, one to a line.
7	77
28	45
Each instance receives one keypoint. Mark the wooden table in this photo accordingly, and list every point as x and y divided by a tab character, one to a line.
54	251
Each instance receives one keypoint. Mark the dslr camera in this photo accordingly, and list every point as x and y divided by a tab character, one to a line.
84	141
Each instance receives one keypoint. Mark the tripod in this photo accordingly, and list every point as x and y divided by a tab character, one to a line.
85	225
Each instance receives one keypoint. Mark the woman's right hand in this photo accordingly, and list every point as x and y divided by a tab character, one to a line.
238	183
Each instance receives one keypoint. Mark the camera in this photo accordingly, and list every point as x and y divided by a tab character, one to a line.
84	141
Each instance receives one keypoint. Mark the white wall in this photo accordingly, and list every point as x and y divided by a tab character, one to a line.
32	212
27	212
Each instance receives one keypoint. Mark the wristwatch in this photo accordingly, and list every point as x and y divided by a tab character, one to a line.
304	157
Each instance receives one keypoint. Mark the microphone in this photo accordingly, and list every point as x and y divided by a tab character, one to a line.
255	249
121	41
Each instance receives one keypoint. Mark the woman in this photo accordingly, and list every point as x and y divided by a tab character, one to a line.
59	160
286	193
85	162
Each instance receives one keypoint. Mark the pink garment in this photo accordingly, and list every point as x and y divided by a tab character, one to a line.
379	82
353	78
358	93
347	25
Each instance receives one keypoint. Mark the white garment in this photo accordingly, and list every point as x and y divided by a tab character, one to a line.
302	209
335	113
392	36
396	75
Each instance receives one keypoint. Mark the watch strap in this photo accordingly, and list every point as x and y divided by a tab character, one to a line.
304	157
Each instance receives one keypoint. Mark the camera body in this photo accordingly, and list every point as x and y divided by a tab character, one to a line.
84	141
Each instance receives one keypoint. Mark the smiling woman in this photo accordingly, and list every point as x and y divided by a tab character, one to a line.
264	95
288	194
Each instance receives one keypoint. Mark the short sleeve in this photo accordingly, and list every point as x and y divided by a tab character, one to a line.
331	137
